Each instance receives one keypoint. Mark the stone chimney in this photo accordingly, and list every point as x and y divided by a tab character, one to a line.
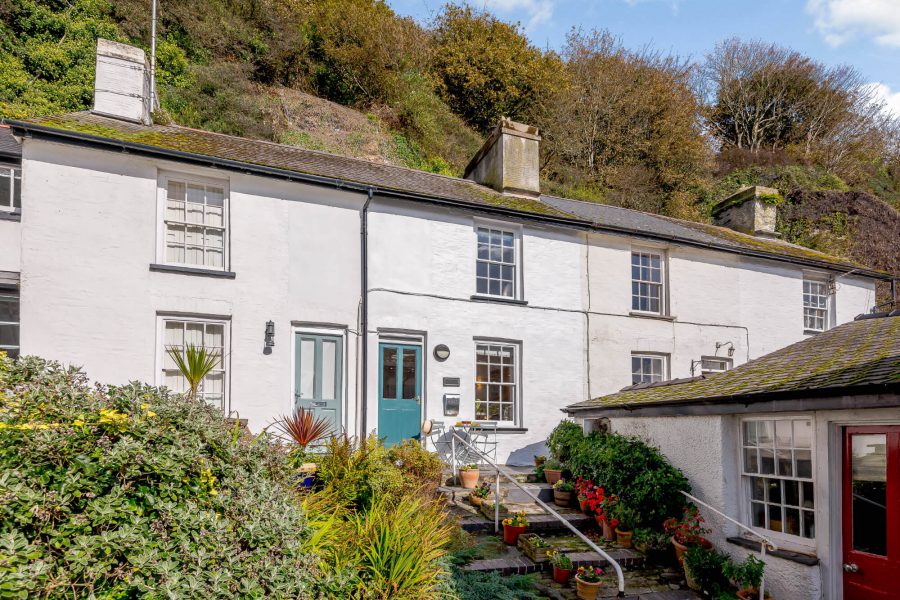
508	160
751	210
122	82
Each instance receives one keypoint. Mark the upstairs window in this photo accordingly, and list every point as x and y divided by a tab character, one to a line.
647	368
815	305
10	188
714	364
9	323
647	282
195	223
495	268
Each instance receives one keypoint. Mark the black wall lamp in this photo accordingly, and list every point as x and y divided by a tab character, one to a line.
270	334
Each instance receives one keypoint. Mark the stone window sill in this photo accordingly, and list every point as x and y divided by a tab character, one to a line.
498	299
192	271
643	315
6	215
808	560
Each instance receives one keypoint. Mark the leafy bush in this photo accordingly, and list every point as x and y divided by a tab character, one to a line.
708	570
639	474
476	585
122	492
420	468
357	471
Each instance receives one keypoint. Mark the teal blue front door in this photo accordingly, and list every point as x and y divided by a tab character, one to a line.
317	376
399	392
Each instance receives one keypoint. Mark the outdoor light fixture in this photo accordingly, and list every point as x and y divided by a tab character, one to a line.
441	352
730	347
270	334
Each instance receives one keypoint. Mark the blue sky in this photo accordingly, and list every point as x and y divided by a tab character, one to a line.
863	33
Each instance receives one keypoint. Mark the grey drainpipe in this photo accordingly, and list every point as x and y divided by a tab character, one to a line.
364	301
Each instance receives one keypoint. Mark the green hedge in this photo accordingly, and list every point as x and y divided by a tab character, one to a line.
638	473
128	492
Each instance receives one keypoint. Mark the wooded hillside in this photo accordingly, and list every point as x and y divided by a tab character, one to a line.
640	129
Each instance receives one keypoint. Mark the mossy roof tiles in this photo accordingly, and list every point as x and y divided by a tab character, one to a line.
427	185
859	354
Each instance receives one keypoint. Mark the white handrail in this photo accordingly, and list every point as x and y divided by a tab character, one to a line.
619	574
766	542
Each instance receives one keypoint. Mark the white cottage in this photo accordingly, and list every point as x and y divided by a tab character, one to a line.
377	295
802	445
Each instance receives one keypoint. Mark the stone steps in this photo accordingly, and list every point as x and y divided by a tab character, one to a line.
522	565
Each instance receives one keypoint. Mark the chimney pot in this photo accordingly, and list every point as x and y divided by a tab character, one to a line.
752	210
508	160
122	82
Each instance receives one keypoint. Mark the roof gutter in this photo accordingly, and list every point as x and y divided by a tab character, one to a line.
745	399
43	132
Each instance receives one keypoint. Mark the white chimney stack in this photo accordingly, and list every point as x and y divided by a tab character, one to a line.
122	82
508	160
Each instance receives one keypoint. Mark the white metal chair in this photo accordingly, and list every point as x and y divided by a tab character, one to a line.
485	438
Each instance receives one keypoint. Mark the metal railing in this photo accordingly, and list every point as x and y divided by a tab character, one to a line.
454	437
766	542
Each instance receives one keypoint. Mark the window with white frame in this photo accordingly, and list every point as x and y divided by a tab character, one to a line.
495	382
815	305
9	322
180	334
648	368
195	223
10	188
647	282
778	475
495	267
714	364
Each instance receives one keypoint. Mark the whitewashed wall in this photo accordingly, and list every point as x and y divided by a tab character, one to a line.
88	297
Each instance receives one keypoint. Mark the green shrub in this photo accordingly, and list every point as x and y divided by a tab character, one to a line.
125	492
420	468
356	471
638	473
708	568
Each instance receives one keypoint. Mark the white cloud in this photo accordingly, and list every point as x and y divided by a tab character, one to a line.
537	11
842	20
890	98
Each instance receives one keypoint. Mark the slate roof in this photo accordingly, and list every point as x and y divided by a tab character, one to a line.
9	147
860	354
197	143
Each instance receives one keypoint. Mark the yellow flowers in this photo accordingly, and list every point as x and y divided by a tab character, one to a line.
28	425
146	408
78	423
112	417
208	480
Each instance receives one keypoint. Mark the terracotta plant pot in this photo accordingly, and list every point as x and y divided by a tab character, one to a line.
680	549
587	591
468	478
608	532
750	594
511	534
476	500
563	499
561	576
623	538
552	475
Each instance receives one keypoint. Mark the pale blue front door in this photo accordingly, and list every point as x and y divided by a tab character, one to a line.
317	376
399	392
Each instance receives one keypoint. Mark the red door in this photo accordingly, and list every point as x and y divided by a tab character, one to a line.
871	513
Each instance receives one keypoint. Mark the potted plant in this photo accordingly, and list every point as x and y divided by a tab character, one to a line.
687	532
552	471
562	567
704	571
534	547
539	460
655	545
481	492
626	518
747	576
562	493
584	488
588	581
606	516
468	476
513	527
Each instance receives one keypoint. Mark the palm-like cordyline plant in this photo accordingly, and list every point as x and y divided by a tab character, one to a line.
194	364
303	428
